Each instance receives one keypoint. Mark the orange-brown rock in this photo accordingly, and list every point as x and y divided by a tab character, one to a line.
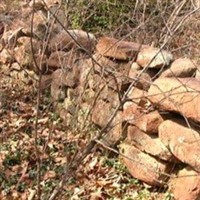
141	79
136	95
154	58
186	186
182	141
178	95
149	144
66	40
149	122
101	114
117	49
86	72
143	166
24	55
131	112
182	67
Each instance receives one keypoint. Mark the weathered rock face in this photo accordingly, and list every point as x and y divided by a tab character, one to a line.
149	144
154	58
182	67
187	185
183	142
143	166
64	41
141	79
131	112
136	95
149	123
179	95
121	50
101	115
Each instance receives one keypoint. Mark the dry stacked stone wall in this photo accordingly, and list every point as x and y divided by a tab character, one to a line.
149	99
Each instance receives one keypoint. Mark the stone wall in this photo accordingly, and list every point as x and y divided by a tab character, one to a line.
152	97
157	101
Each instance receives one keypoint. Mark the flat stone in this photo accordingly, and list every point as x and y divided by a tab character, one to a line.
149	122
64	40
143	166
121	50
178	95
154	58
149	144
131	112
182	141
182	67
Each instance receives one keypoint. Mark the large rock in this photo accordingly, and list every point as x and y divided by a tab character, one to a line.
179	95
149	122
101	115
149	144
133	108
65	41
183	142
121	50
154	58
143	166
182	67
186	186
